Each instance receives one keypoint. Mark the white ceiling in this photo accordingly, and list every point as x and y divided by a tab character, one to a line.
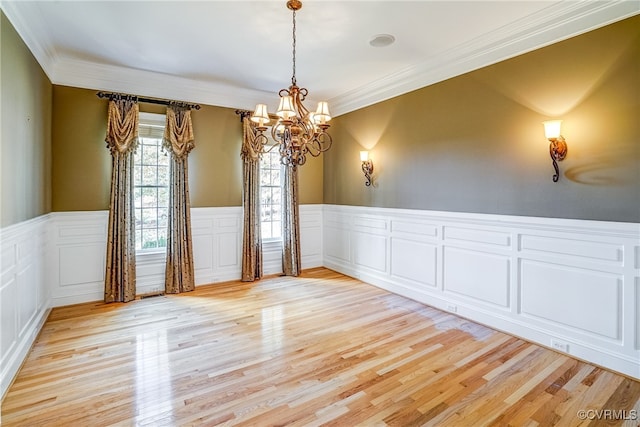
238	53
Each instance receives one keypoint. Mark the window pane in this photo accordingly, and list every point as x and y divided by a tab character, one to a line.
162	217
275	177
137	197
163	196
149	239
138	217
266	230
276	196
276	212
163	175
265	196
149	218
149	175
277	229
265	176
162	237
265	213
149	153
163	158
149	197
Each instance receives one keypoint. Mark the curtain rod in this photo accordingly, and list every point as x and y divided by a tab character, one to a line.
248	113
149	100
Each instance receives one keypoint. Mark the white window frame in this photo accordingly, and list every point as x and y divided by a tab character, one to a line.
156	121
275	156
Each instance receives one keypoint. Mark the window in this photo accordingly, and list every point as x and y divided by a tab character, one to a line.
270	195
151	184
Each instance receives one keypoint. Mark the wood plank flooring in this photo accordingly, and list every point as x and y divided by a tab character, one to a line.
322	349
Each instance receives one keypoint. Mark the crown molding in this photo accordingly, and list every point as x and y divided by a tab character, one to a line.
106	77
553	24
32	33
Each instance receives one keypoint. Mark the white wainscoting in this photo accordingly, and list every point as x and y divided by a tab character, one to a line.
25	298
566	284
78	250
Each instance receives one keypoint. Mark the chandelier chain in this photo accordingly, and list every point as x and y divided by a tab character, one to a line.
293	77
298	133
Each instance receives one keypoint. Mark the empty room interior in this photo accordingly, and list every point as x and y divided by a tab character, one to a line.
320	213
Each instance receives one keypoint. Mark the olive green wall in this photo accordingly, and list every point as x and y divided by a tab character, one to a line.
25	136
475	143
82	163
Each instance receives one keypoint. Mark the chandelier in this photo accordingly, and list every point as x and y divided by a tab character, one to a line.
297	132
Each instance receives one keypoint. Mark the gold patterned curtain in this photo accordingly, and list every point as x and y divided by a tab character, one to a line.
290	223
251	234
122	140
178	142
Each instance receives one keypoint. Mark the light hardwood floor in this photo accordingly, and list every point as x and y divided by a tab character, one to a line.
320	349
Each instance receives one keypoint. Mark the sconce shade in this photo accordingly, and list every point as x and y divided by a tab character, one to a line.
260	115
552	129
322	114
364	156
285	109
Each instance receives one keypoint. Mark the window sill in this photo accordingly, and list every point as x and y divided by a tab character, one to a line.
271	244
151	256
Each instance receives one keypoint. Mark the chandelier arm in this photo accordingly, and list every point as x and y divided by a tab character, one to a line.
274	133
259	142
324	140
307	129
267	148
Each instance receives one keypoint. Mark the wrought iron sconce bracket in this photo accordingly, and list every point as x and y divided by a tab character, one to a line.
557	151
367	168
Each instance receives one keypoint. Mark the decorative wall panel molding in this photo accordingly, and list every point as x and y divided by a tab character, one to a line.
571	285
78	254
25	298
78	251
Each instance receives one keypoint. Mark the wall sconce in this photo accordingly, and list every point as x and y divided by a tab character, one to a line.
367	167
557	146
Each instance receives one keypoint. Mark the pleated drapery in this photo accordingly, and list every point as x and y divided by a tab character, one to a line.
290	223
178	142
251	234
122	140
